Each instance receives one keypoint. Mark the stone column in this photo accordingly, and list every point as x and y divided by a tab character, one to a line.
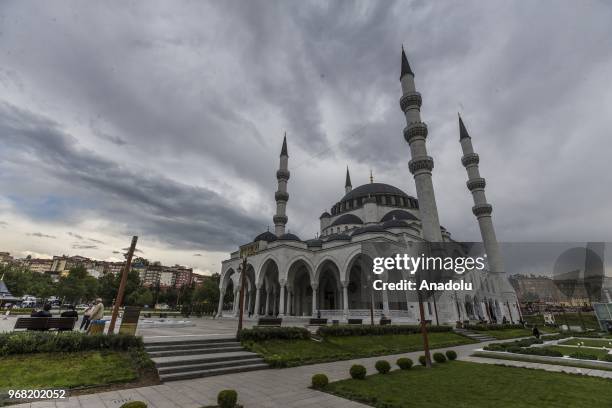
315	304
345	301
289	300
274	303
220	307
236	301
282	298
257	301
267	310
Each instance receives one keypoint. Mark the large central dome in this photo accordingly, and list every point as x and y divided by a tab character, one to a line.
372	189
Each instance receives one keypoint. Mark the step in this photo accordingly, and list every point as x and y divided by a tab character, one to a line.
211	372
202	358
208	366
168	342
189	346
190	352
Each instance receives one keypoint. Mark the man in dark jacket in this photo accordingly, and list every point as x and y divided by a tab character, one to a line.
45	312
70	312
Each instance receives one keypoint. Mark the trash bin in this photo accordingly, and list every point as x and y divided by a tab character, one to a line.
96	327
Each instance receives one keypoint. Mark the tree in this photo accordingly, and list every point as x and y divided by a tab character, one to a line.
142	296
22	281
78	285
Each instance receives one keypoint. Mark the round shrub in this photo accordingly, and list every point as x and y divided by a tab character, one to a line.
383	366
422	360
227	398
134	404
439	358
358	372
451	355
404	363
319	381
583	356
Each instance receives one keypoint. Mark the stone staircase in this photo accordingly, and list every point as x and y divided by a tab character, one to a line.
480	337
178	359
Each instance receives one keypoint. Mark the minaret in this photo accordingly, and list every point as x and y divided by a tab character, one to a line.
421	164
347	185
482	210
281	196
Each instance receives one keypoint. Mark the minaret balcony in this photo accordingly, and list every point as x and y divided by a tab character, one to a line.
282	174
281	196
470	159
421	164
415	130
411	101
477	183
482	210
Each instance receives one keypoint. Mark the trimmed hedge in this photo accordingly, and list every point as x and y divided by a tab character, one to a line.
319	381
368	330
484	327
134	404
227	398
607	357
271	333
46	342
451	355
516	344
382	366
404	363
358	372
583	355
539	351
422	360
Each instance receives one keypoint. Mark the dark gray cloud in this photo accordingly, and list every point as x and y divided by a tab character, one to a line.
41	235
167	123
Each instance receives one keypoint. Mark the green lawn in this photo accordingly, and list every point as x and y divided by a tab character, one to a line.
567	350
588	342
70	370
289	353
471	385
507	333
541	360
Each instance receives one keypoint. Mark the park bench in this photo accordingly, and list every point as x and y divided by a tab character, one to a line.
269	321
317	322
45	323
355	321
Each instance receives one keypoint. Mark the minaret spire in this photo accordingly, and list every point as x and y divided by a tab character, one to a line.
421	164
371	177
405	65
482	210
281	196
347	185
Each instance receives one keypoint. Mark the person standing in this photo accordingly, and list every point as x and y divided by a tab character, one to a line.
97	312
86	318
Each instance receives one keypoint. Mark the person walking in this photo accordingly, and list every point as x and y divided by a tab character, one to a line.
536	332
86	318
97	313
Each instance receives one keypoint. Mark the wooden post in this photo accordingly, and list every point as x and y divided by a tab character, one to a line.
424	331
121	291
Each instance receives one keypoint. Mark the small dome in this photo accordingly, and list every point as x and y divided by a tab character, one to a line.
398	215
369	228
347	219
394	224
325	215
314	243
289	237
265	236
338	237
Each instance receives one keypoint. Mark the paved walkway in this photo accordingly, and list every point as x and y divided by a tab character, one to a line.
271	388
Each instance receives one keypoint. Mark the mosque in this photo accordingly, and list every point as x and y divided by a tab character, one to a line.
294	278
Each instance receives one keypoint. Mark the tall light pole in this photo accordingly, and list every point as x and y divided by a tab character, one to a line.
121	291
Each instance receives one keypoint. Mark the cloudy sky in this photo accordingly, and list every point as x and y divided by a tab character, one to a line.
165	119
